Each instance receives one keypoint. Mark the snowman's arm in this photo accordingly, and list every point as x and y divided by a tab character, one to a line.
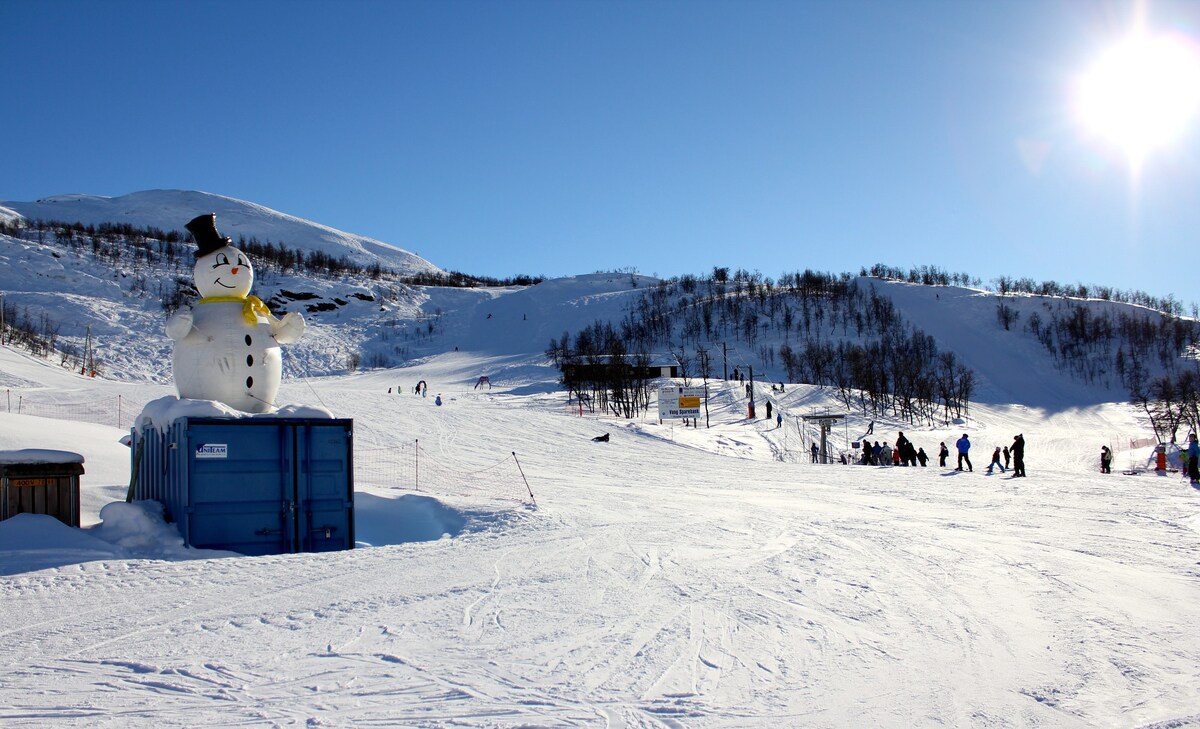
180	324
288	329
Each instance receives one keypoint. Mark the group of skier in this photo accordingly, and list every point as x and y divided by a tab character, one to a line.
1189	460
906	454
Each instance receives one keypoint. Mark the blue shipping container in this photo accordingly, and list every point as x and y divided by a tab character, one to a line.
254	485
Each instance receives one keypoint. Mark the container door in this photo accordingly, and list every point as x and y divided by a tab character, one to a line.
242	496
324	487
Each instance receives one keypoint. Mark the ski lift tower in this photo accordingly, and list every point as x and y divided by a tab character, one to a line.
825	421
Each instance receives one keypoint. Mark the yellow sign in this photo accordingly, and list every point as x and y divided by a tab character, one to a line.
679	402
29	482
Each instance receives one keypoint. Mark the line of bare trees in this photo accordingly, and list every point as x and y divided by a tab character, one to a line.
846	336
903	374
38	334
599	369
1170	400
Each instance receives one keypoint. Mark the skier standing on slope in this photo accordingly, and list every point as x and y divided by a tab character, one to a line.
902	448
943	454
995	462
1105	459
1018	454
1193	451
964	444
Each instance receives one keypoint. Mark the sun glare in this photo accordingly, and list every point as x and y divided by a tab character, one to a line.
1142	93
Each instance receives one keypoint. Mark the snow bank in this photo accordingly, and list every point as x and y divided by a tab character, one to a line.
31	542
140	528
380	520
38	532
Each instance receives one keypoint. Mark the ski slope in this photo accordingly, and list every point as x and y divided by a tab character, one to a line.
672	577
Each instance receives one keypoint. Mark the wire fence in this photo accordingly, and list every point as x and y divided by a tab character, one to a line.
402	466
408	466
119	411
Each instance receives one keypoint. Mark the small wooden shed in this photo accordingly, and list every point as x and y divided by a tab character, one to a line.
38	481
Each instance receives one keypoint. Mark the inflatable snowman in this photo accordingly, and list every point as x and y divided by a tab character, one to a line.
227	345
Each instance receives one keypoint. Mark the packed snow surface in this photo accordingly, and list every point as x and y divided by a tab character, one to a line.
671	577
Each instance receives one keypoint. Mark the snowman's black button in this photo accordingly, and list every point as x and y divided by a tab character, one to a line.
249	382
248	340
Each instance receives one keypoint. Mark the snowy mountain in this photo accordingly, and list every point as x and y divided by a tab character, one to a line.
670	577
169	210
95	296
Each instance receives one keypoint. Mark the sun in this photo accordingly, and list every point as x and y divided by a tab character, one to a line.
1142	93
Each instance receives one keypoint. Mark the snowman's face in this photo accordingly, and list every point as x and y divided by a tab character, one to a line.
224	272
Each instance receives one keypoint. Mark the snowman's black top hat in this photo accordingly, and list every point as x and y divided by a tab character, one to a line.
204	229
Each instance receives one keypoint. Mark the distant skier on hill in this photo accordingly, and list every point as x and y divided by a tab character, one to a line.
922	457
1105	459
943	454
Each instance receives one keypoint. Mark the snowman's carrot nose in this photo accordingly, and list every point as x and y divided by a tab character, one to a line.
233	270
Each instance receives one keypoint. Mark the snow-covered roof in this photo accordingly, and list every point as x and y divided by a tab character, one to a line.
38	455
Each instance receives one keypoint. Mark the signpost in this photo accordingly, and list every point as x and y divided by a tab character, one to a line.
680	403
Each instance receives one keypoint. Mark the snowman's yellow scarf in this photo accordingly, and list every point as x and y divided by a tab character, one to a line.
252	306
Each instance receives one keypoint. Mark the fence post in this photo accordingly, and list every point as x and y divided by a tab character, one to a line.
417	464
522	472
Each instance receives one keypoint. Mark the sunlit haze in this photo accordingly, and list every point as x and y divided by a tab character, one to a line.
1142	93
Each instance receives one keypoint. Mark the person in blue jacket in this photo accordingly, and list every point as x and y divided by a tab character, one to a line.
964	445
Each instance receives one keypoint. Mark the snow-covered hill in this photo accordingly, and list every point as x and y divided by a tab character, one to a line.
171	209
671	577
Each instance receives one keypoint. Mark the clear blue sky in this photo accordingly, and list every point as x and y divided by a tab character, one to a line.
566	137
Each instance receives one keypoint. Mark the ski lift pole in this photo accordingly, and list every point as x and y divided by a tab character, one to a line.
522	472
